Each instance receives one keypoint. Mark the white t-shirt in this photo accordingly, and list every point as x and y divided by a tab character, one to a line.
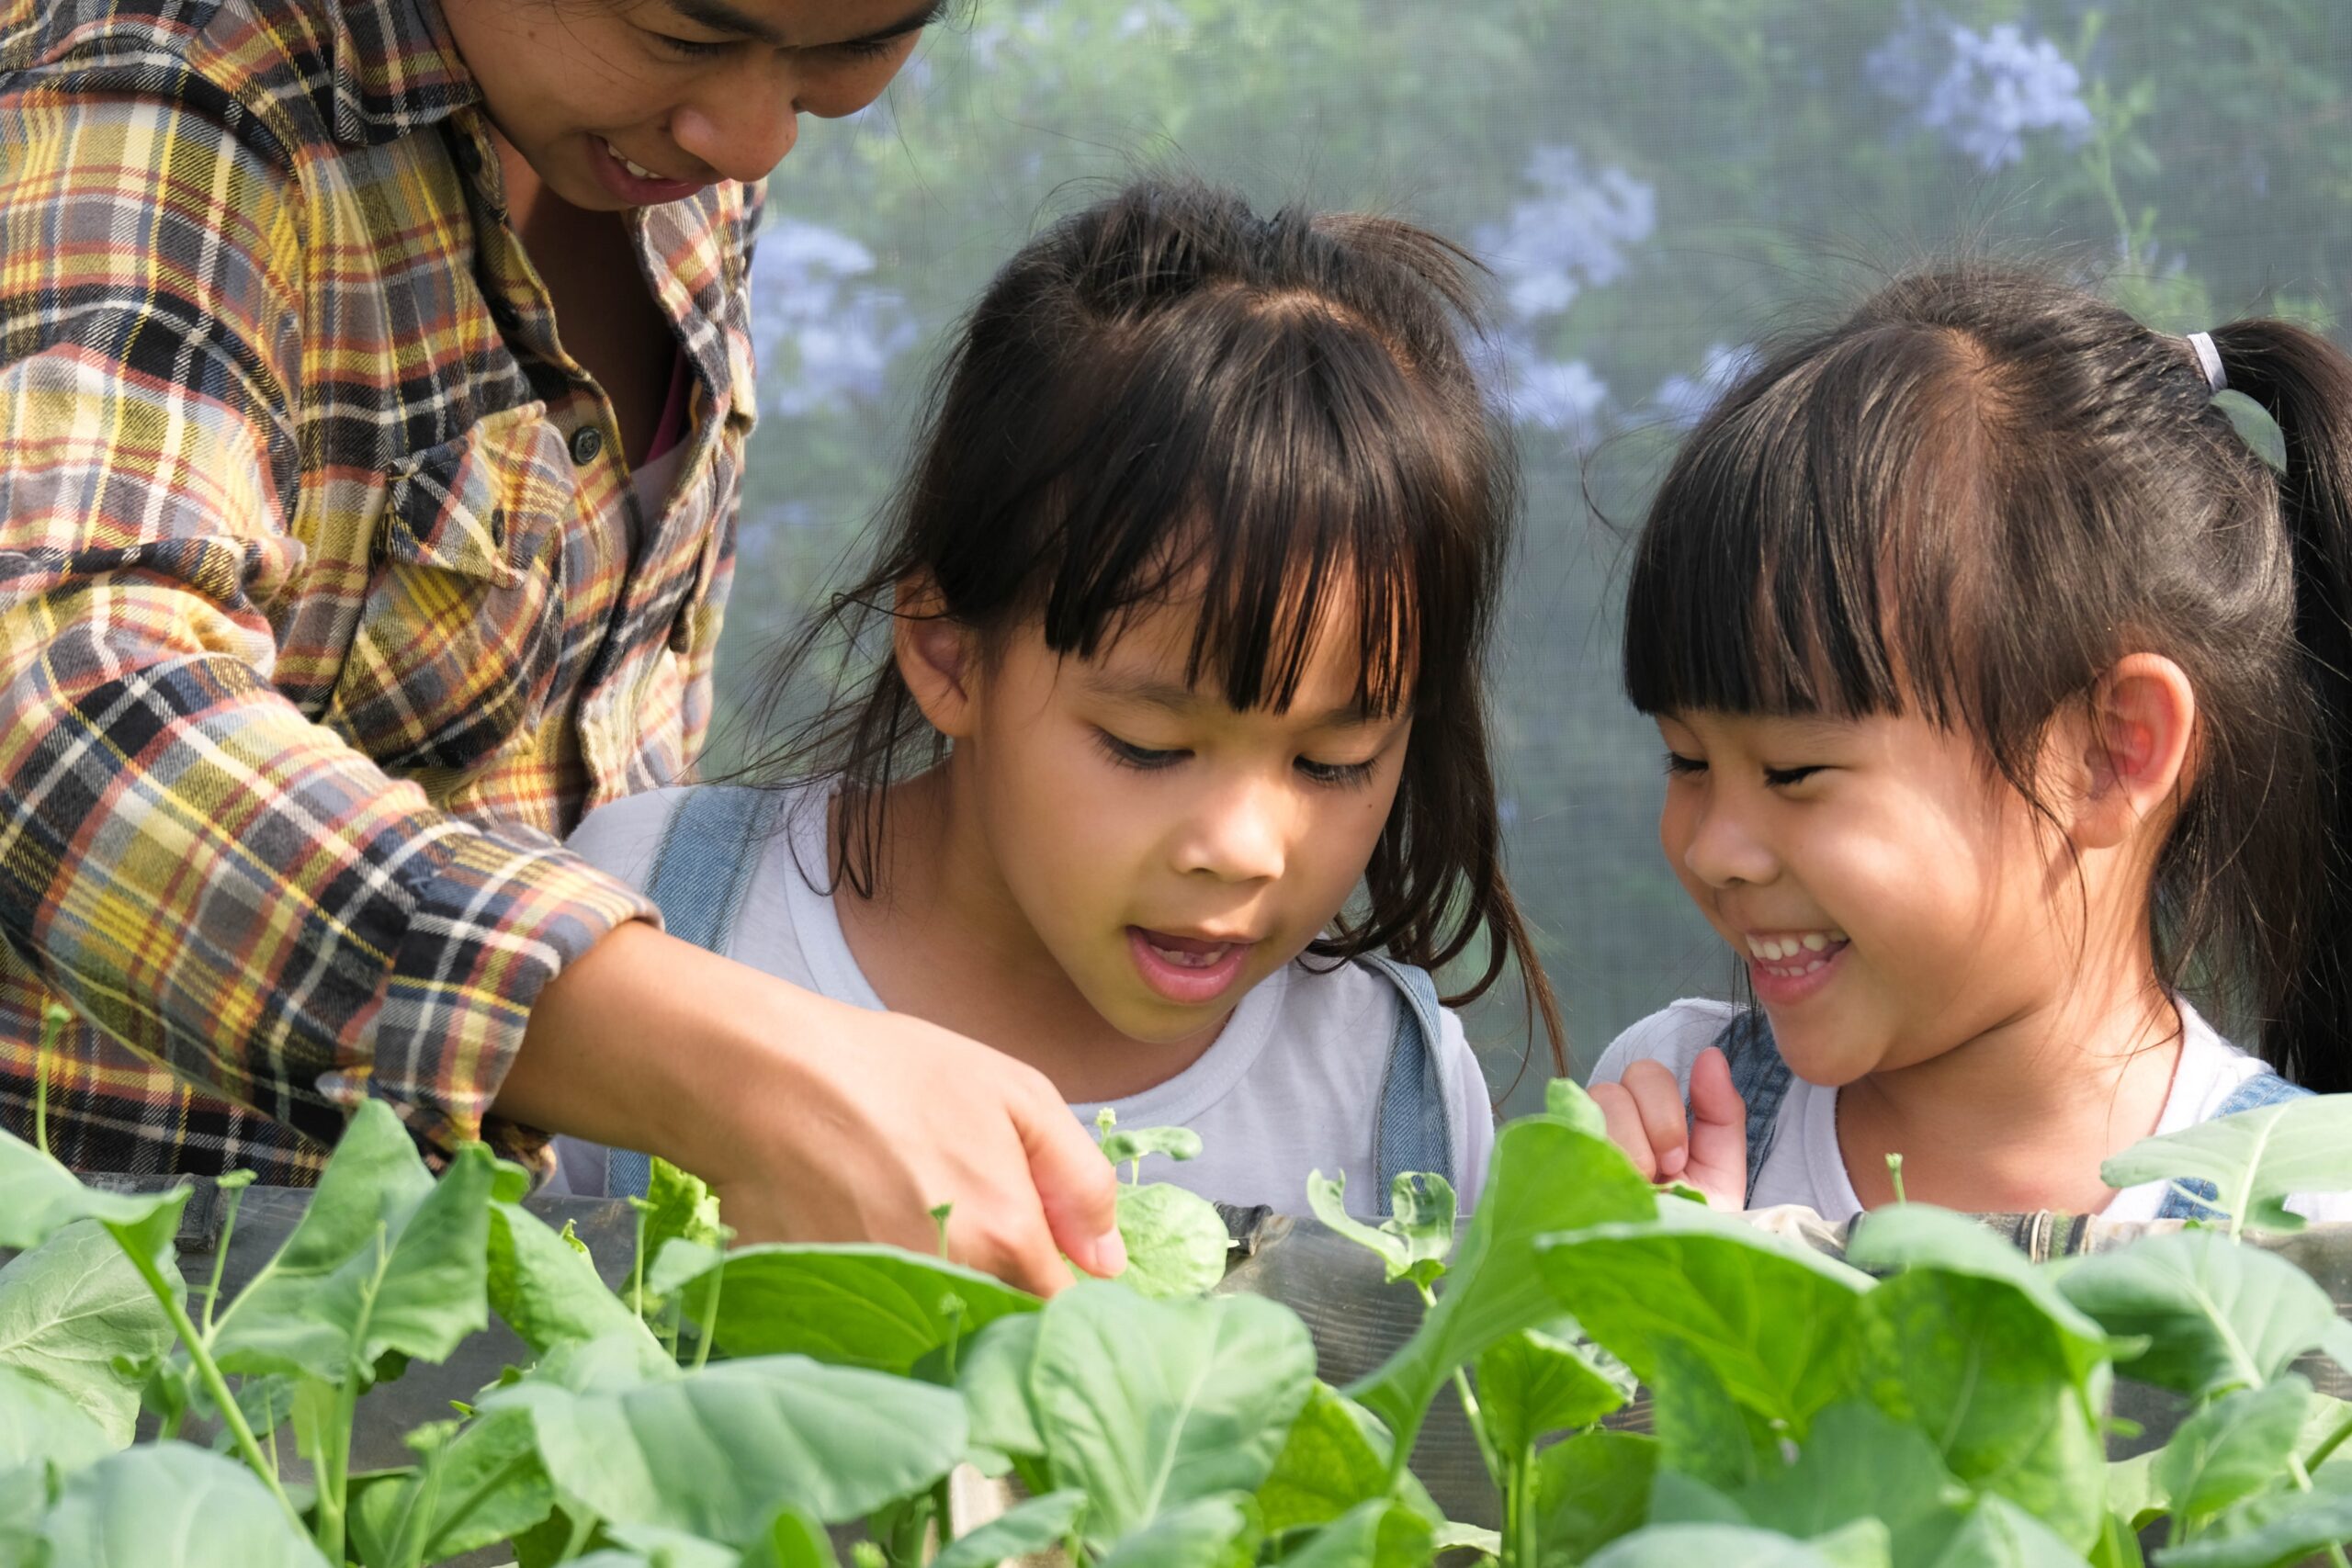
1806	1165
1291	1084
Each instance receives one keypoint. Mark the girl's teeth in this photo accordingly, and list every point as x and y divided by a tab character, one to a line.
1775	949
1203	960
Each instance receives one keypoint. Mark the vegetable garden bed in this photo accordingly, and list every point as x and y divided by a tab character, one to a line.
403	1371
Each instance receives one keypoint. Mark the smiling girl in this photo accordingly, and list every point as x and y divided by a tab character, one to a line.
2002	689
1172	779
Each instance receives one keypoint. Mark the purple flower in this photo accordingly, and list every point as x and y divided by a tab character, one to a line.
1685	399
1571	236
1984	93
820	338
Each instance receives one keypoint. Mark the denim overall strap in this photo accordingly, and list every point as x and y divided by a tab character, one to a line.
1414	1131
702	871
2266	1088
1761	1078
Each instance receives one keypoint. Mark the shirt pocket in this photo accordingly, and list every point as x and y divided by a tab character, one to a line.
460	636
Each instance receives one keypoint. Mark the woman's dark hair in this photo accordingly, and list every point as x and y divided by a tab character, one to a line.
1972	497
1165	395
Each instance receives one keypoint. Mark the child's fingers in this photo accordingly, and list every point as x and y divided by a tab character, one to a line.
1718	1133
1625	1126
1657	1100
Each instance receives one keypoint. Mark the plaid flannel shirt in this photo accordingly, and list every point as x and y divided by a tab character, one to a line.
322	617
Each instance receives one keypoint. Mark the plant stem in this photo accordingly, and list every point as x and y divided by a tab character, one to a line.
582	1528
2329	1445
53	1019
210	1370
220	1258
1894	1175
710	1317
941	1501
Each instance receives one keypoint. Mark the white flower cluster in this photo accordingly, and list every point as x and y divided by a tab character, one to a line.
1982	92
1573	234
823	338
1685	399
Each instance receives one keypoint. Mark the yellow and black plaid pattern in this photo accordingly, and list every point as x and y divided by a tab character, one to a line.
315	638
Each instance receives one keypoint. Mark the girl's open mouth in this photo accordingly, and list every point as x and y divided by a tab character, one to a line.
1184	969
1788	966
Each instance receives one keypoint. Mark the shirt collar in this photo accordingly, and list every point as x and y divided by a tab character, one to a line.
396	69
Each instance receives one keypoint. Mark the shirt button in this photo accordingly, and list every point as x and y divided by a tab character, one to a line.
586	442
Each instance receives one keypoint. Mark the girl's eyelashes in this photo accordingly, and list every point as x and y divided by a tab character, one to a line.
1781	778
1149	758
1676	765
1340	775
1126	755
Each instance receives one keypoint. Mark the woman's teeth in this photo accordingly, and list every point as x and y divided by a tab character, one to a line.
1815	947
639	170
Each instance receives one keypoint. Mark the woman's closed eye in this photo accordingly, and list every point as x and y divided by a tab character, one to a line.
1782	778
1679	766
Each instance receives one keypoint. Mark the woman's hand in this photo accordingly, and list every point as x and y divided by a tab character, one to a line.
1707	1147
813	1120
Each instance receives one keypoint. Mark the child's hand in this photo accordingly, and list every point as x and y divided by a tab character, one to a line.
1708	1149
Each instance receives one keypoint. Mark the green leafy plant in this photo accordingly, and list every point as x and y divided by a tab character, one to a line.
1930	1399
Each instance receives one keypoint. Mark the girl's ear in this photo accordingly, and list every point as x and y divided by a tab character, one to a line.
2134	748
934	655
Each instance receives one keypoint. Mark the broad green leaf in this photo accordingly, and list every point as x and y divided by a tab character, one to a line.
1997	1533
1566	1100
1176	1241
2281	1531
717	1453
1679	1499
1703	1431
1979	1366
1147	1405
2216	1314
41	1425
993	1380
1129	1144
548	1293
172	1506
40	1197
1033	1526
1910	1235
2254	1158
2132	1489
1544	1176
1411	1243
1334	1458
1379	1534
1776	1320
792	1539
1684	1546
852	1306
477	1485
1207	1532
384	1258
677	1205
1588	1491
2118	1545
1534	1382
73	1312
666	1548
1858	1463
2235	1447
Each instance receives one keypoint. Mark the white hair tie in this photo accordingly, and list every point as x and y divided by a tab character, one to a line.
2208	359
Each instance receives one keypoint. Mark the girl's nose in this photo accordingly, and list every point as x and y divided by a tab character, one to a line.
1237	836
1718	845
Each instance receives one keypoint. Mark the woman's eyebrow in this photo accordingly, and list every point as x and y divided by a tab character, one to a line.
719	15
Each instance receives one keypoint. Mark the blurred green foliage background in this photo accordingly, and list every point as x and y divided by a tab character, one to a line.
1655	183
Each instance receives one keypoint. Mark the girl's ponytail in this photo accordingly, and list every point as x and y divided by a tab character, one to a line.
2306	384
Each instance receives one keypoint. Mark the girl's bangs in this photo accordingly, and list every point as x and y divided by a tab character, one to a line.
1317	493
1801	556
